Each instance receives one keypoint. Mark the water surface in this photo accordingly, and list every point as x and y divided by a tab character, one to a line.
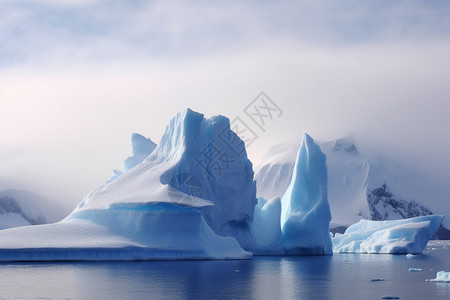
341	276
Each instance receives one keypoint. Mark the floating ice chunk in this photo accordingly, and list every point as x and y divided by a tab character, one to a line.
409	255
441	276
305	212
415	270
399	236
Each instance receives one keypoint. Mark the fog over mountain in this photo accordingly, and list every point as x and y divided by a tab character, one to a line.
78	77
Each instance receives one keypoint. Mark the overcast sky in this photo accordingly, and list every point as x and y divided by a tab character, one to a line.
78	77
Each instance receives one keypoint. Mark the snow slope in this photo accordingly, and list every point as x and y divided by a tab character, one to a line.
399	236
21	208
157	209
358	187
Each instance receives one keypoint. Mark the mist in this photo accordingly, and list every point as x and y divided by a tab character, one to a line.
78	78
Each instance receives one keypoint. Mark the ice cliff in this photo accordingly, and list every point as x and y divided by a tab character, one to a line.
305	212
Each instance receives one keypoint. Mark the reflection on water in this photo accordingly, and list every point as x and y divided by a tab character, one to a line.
302	277
343	276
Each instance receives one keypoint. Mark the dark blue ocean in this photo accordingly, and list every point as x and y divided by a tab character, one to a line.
341	276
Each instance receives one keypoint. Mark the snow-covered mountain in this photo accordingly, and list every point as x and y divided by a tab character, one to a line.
21	208
358	187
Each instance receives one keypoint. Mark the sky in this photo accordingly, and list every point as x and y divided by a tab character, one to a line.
77	78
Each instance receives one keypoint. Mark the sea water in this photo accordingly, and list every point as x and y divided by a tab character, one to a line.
341	276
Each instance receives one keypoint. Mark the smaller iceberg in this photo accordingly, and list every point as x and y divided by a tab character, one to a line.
415	270
397	236
441	276
189	199
305	212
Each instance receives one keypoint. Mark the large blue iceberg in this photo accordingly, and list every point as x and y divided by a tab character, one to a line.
193	197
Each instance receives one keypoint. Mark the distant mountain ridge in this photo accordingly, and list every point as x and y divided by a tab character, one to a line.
22	207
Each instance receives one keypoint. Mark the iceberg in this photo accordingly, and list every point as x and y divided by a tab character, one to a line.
265	228
360	185
398	236
441	276
415	270
305	212
193	197
141	148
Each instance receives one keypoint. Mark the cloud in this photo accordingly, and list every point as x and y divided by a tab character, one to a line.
97	30
77	79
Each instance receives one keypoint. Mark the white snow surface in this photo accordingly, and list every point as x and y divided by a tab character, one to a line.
305	212
157	209
398	236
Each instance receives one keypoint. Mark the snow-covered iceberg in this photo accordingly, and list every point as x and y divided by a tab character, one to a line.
141	148
305	212
398	236
157	209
